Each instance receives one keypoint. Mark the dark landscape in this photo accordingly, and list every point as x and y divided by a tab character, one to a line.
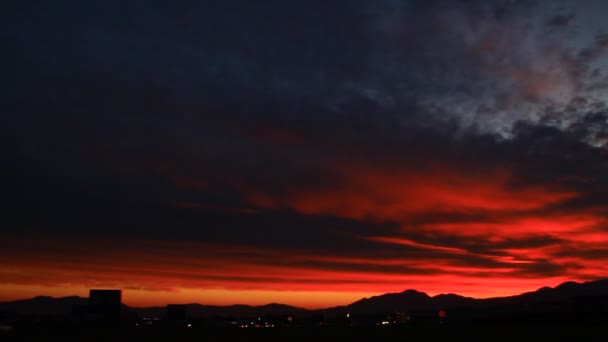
578	310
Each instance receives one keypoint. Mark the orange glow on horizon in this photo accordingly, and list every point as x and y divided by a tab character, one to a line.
303	299
148	278
504	243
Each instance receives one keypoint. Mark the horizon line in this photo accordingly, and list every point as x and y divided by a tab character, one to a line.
302	308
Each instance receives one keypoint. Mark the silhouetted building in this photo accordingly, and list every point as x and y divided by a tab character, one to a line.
177	312
105	303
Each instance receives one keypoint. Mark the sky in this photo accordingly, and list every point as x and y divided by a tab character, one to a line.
304	152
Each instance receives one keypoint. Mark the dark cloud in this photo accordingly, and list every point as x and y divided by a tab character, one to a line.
405	139
561	20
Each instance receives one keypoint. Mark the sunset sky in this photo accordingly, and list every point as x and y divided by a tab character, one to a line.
304	152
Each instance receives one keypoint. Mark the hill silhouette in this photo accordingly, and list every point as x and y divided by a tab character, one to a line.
590	297
43	305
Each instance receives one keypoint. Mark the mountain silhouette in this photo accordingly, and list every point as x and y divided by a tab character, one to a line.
411	300
570	296
43	305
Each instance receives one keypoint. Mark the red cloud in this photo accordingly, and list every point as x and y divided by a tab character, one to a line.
441	259
365	192
197	268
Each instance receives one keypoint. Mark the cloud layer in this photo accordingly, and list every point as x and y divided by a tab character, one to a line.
346	148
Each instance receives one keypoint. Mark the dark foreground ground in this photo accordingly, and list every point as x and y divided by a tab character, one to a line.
490	331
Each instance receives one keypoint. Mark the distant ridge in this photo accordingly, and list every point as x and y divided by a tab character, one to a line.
43	305
566	296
